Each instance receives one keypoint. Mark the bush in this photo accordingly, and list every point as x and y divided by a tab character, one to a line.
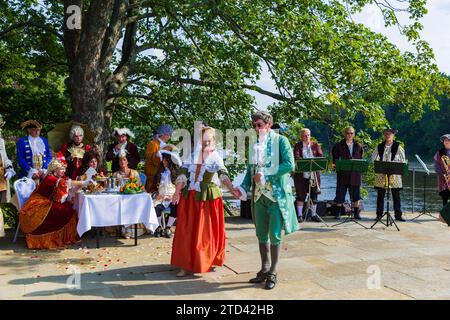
10	214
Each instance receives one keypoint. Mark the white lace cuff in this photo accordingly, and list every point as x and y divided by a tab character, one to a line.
243	193
64	198
31	172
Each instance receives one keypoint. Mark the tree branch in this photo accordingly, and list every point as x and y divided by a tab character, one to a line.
149	98
113	33
71	37
44	27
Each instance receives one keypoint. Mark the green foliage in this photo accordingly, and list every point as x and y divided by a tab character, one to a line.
201	61
10	214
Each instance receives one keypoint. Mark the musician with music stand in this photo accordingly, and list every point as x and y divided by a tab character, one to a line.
351	165
424	209
312	166
388	169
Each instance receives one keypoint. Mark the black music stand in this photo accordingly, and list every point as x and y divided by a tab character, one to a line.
389	169
351	165
424	209
311	165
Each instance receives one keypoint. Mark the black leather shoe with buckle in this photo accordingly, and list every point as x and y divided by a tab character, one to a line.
271	281
260	277
168	233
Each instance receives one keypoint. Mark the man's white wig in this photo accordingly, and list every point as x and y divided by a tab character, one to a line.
121	131
76	129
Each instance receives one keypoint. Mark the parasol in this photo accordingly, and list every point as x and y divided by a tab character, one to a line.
60	135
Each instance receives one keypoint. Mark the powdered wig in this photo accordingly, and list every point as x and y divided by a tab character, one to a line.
76	129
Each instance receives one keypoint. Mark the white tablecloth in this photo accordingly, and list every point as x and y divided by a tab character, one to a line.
103	210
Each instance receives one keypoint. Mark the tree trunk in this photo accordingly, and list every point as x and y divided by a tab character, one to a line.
88	98
86	82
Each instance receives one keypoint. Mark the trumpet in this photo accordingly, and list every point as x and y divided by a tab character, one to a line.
315	182
446	161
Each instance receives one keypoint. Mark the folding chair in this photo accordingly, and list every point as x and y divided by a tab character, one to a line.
24	188
143	178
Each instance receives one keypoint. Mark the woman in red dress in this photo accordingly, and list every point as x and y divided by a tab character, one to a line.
74	151
199	241
47	219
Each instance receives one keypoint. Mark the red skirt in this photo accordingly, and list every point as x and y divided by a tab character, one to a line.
199	241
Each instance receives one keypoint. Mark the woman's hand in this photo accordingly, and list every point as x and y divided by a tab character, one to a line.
236	193
176	198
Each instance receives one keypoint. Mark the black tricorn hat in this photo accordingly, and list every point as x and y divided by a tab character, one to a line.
391	130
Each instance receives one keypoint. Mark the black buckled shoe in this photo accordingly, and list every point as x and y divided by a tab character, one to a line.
260	277
356	214
315	218
300	219
400	218
158	232
271	281
168	233
336	211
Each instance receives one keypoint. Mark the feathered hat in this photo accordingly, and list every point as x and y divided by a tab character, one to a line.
121	131
173	156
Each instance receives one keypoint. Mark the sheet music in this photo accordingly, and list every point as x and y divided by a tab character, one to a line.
423	164
90	173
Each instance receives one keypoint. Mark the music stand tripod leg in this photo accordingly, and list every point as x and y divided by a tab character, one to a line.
424	209
351	217
389	220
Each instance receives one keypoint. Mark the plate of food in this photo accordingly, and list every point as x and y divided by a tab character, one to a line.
92	188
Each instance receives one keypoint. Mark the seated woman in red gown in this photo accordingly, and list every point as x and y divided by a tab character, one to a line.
199	241
47	219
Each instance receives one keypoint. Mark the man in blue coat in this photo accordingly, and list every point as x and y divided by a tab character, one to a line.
33	151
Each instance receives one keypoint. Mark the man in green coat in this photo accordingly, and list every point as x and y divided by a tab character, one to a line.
272	161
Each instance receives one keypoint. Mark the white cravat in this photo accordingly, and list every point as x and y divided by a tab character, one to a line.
122	149
162	144
37	145
260	151
350	147
307	154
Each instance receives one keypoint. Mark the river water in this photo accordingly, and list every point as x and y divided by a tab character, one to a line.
412	195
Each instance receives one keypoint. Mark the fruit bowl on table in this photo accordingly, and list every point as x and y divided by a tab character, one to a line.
132	187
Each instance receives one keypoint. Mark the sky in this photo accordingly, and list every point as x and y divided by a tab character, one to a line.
436	31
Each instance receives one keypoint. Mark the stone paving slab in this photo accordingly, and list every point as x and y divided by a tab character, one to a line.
340	262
